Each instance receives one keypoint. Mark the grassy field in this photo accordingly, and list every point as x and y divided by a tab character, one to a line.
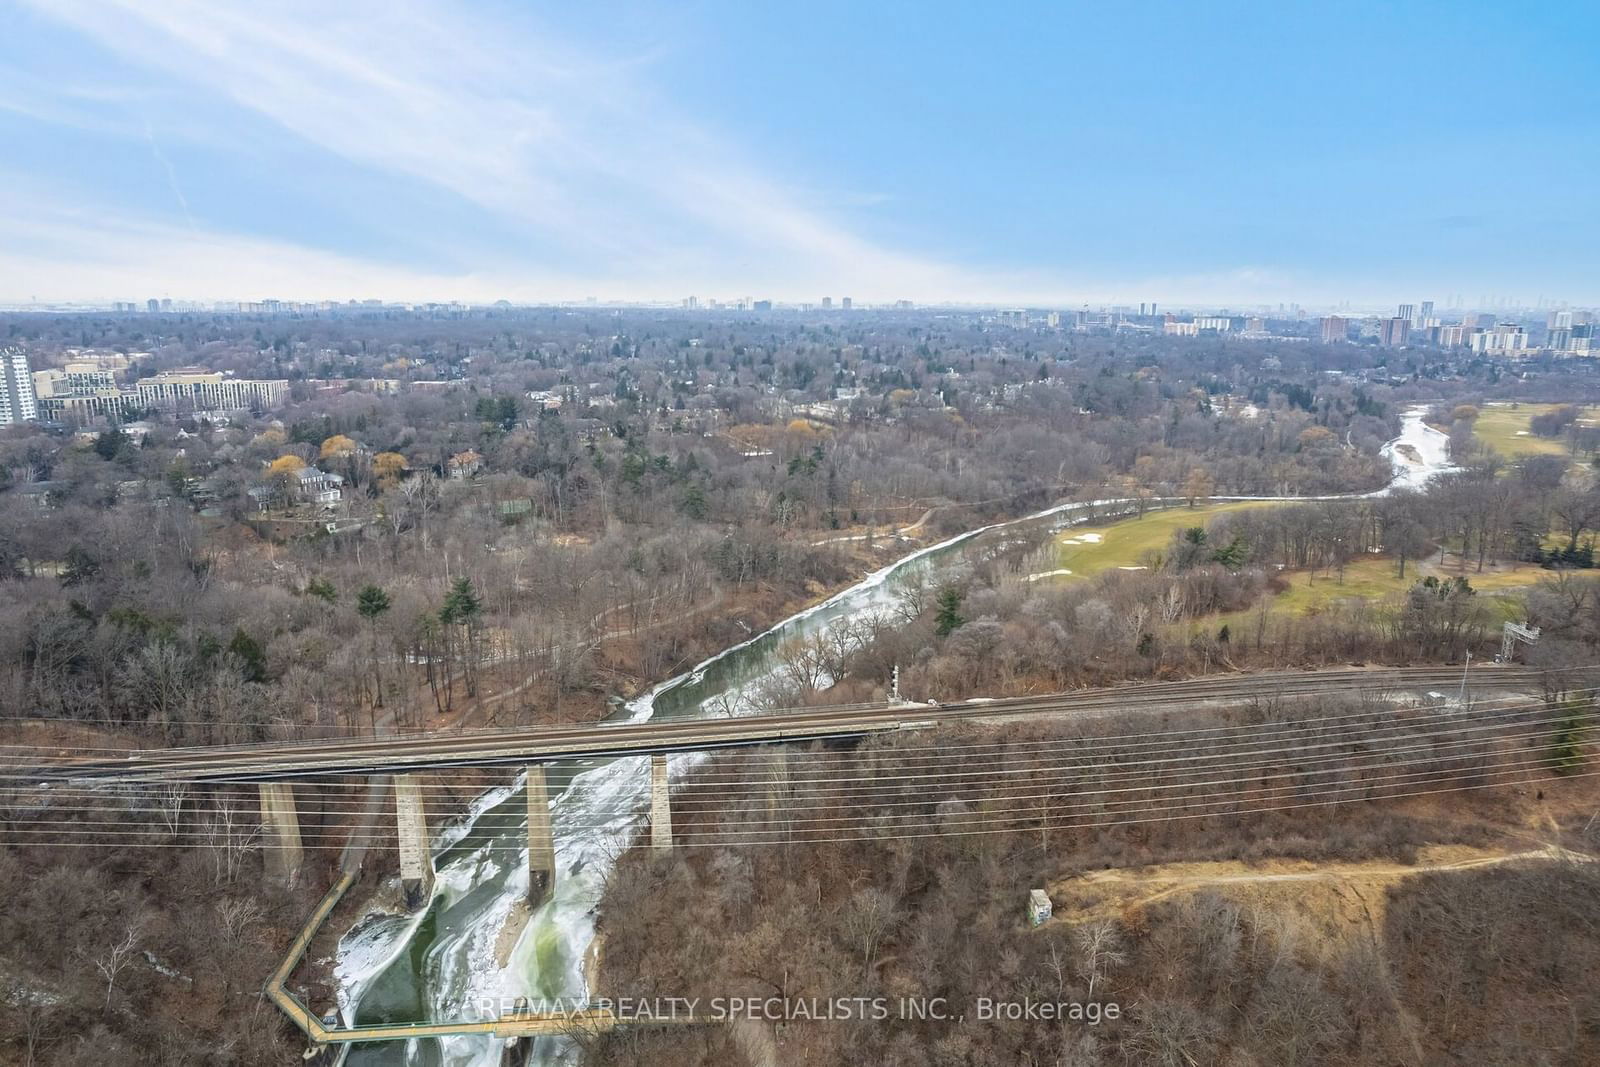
1505	429
1088	551
1375	579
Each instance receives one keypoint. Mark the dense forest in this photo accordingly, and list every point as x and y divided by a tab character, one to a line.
682	470
540	513
912	883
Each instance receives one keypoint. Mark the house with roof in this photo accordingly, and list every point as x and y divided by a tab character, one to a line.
464	465
315	486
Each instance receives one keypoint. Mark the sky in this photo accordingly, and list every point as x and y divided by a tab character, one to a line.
1216	154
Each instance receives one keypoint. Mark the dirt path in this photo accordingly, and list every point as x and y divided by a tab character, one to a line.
1107	894
468	713
756	1041
886	534
919	524
712	604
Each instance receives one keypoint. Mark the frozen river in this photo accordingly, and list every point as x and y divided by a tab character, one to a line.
442	962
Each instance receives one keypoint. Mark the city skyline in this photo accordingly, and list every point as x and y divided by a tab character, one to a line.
1430	310
432	153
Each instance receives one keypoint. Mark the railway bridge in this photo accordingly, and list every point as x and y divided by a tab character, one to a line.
274	769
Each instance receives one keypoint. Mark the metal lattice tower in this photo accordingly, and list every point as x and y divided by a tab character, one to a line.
1513	633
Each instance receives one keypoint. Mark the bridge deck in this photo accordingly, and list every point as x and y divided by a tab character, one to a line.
299	759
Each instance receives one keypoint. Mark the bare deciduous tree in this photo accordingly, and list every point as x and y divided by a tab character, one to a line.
1100	949
169	801
115	959
230	837
237	915
868	917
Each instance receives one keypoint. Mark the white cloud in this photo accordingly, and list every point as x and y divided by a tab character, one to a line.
594	180
60	252
591	164
591	182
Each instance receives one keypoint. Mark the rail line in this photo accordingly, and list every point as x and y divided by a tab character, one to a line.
298	759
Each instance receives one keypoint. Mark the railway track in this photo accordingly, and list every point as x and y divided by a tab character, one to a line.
298	759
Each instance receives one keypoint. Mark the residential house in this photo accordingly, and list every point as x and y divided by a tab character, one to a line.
464	465
316	486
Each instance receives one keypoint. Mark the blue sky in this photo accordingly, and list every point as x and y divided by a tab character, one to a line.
1218	153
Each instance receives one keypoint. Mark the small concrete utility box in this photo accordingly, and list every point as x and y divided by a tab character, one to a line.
1038	907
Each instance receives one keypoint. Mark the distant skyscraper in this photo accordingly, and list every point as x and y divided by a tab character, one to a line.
1407	312
762	305
1425	314
846	303
1396	331
1334	329
152	306
827	302
17	403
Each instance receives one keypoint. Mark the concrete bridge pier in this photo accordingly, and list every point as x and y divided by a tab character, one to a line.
416	855
660	805
285	853
777	774
541	838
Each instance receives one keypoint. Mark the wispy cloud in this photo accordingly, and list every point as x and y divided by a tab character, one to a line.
574	172
61	250
576	152
432	142
172	174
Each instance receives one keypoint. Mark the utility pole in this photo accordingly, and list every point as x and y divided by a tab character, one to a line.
1461	697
